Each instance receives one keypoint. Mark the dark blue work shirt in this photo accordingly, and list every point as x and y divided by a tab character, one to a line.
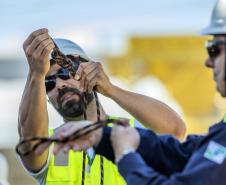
163	160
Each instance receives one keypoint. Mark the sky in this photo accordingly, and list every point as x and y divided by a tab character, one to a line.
98	26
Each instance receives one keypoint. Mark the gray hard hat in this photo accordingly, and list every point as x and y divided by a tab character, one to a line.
68	47
217	24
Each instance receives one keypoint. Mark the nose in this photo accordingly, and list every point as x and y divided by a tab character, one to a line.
209	63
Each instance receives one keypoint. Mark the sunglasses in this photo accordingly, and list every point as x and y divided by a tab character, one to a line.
63	73
213	48
50	81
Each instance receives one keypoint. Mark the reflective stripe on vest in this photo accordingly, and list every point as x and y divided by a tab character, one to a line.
131	120
66	169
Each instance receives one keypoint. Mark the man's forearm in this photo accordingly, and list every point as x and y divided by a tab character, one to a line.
149	111
33	117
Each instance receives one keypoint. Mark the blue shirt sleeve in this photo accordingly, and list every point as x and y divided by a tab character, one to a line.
171	155
135	171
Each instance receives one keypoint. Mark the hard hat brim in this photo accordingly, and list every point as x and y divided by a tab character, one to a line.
214	31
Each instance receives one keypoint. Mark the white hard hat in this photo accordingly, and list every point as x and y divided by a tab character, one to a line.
68	47
217	24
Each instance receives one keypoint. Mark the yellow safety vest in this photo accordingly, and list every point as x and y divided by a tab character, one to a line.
66	169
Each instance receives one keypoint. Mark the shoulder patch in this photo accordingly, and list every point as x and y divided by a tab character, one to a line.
215	152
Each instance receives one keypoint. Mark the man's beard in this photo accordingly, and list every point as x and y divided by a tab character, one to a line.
74	107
